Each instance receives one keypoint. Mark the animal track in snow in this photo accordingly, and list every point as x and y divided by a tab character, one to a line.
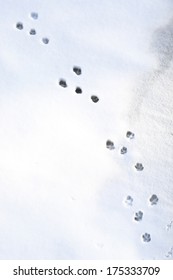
130	135
146	237
154	199
32	32
138	216
78	90
45	40
34	15
123	150
77	70
94	98
62	83
19	25
110	145
128	201
139	166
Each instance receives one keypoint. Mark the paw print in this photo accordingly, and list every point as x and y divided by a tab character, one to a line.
123	150
32	32
138	216
77	70
130	135
62	83
139	166
45	40
34	15
128	201
146	237
78	90
19	25
94	98
110	145
153	199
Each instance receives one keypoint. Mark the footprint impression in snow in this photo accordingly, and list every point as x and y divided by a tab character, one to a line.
153	199
62	83
45	40
19	25
128	201
146	237
77	70
110	145
32	32
139	166
34	15
138	216
123	150
94	98
130	135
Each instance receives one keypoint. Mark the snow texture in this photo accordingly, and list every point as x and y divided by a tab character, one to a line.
63	193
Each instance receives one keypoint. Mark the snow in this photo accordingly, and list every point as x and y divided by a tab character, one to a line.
63	193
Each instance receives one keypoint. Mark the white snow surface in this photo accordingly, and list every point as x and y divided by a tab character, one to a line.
62	191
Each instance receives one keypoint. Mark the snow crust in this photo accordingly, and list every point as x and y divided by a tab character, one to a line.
63	193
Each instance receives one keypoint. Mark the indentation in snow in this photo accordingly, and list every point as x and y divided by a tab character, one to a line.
110	145
78	90
153	199
62	83
138	216
123	150
34	15
139	166
146	237
130	135
94	98
19	25
45	40
77	70
128	201
32	32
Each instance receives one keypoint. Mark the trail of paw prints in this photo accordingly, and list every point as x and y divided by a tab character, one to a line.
33	16
138	166
139	215
123	150
77	70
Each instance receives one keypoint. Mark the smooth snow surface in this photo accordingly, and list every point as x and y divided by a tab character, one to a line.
64	194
